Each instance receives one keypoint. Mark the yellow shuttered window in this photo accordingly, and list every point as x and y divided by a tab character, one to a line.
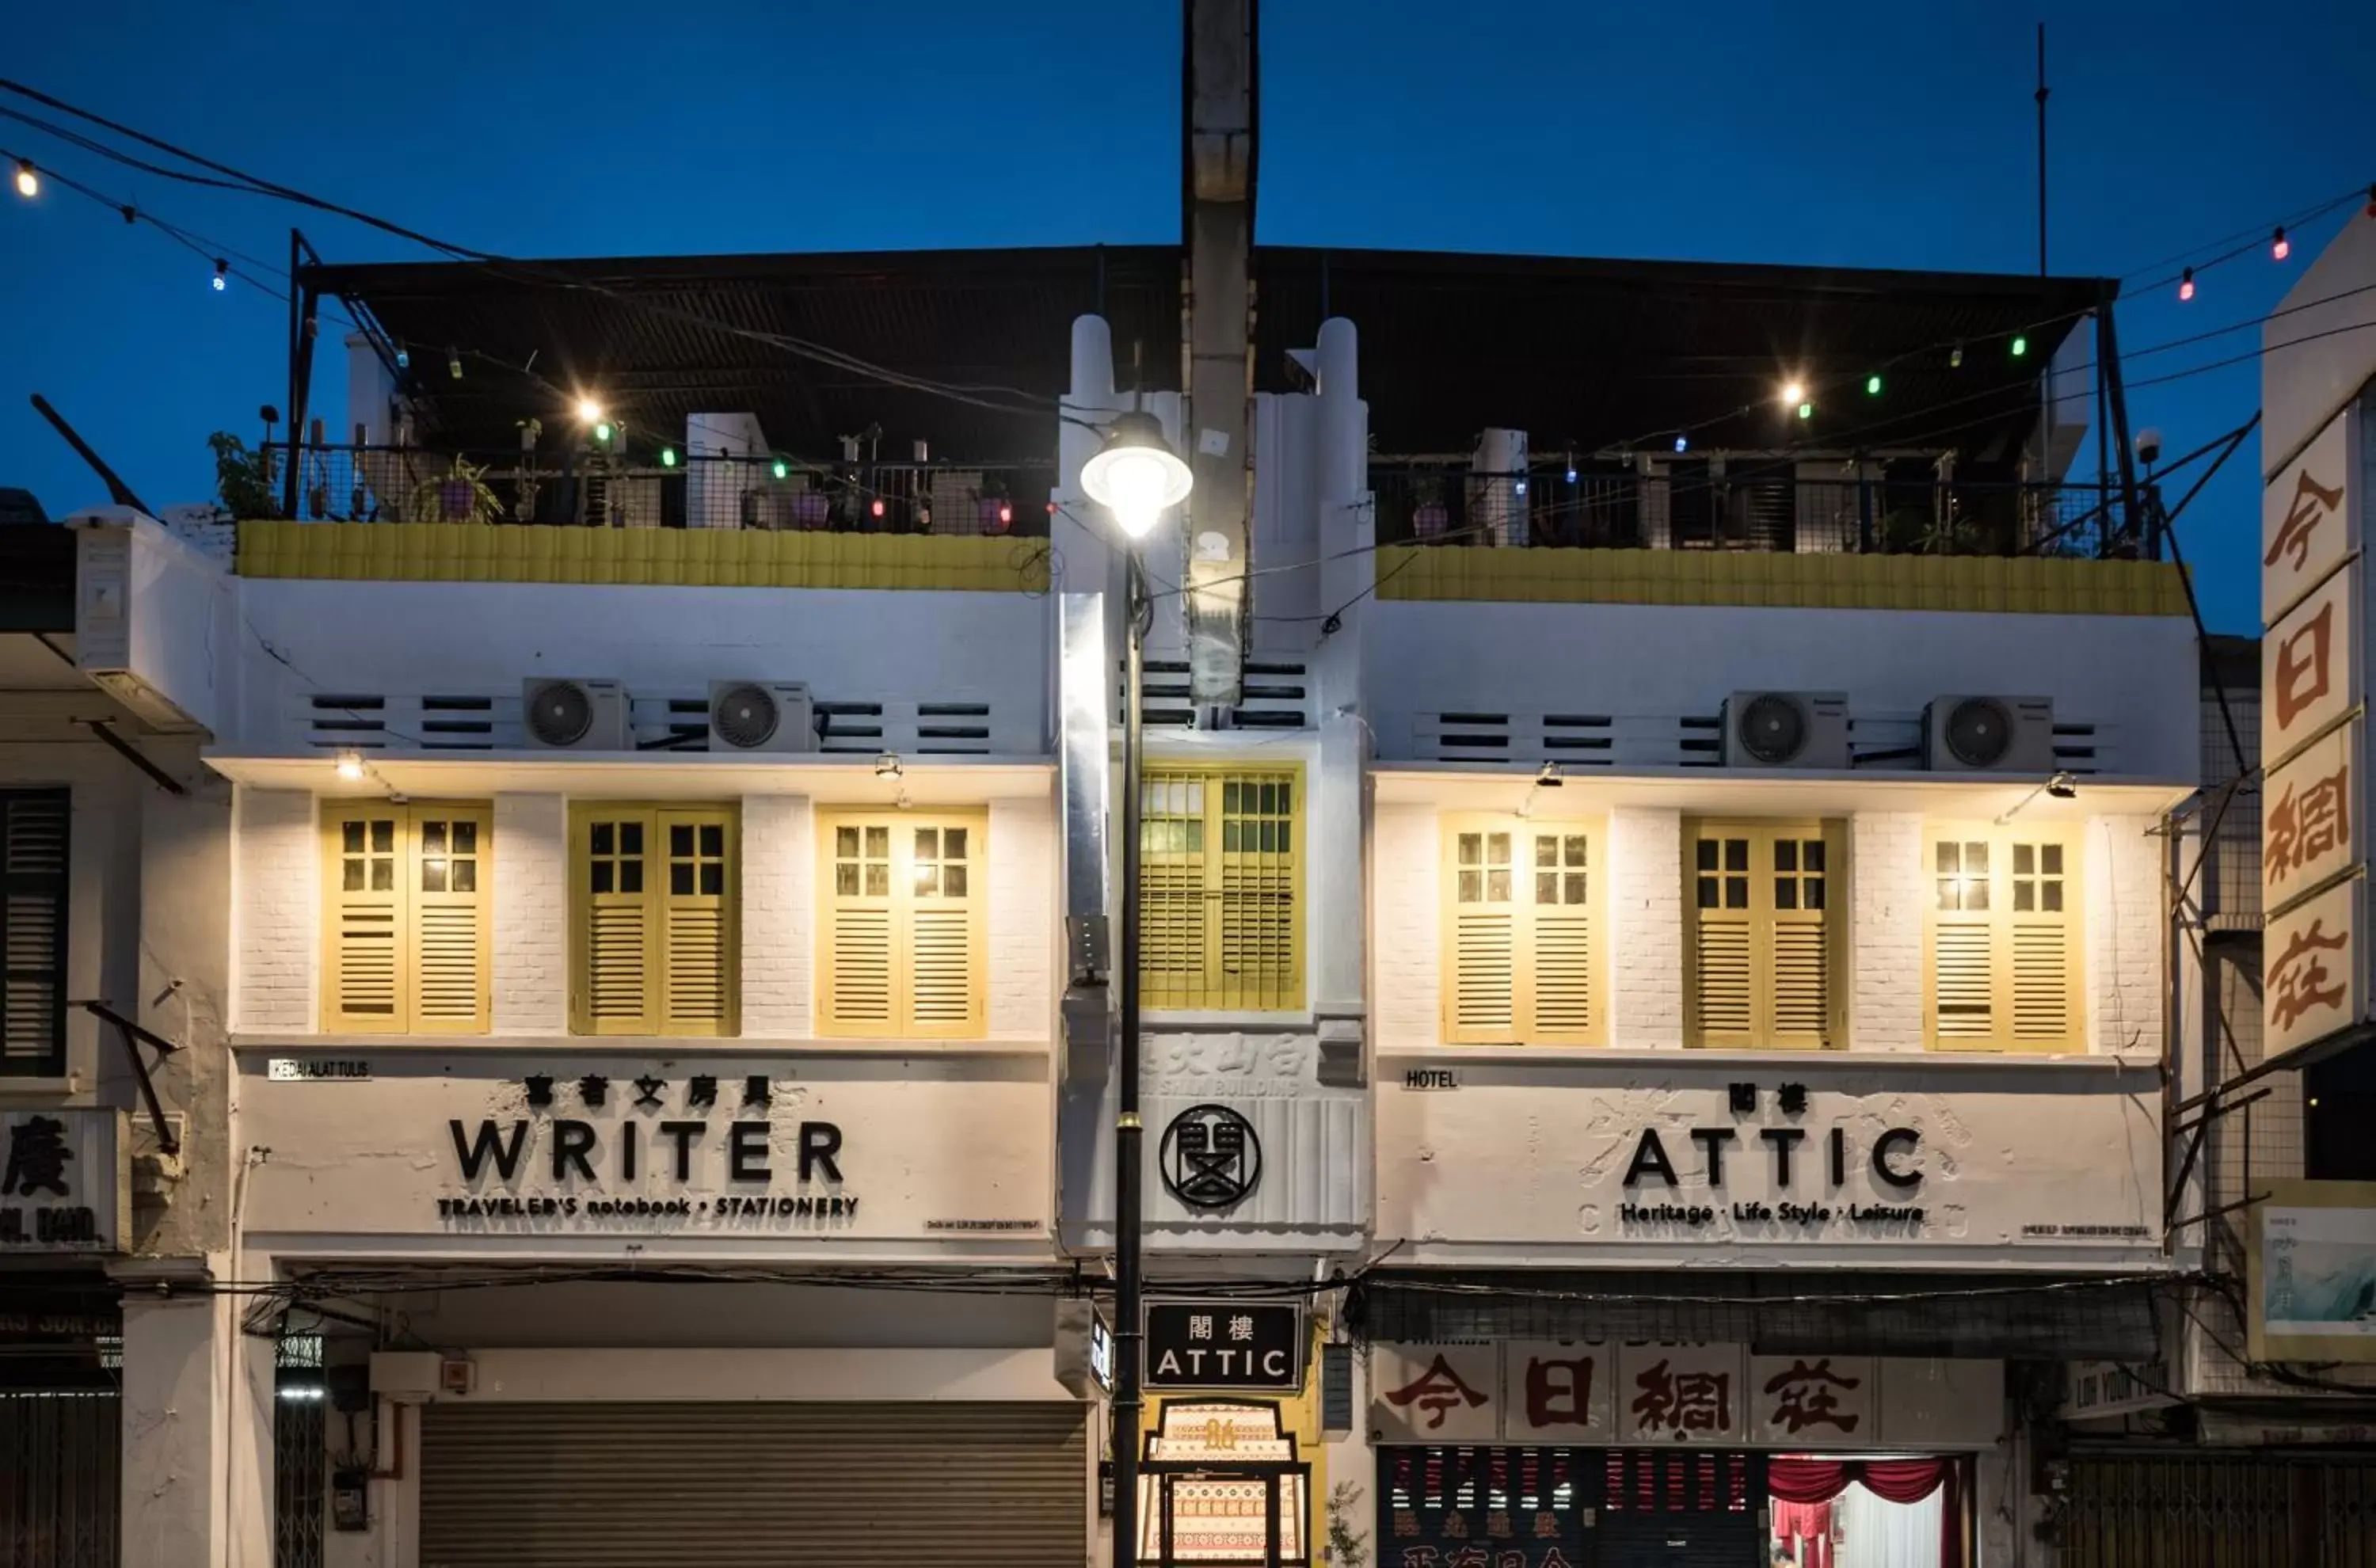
1524	956
2003	939
1220	897
902	900
405	907
652	910
1760	954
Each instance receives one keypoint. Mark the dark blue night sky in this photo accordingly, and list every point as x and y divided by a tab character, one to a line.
1892	136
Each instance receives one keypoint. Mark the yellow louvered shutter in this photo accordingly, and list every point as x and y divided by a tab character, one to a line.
406	909
1562	950
1220	888
450	893
615	992
1481	936
1759	952
2004	959
365	861
695	916
903	911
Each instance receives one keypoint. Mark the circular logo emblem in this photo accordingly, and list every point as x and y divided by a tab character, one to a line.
1210	1157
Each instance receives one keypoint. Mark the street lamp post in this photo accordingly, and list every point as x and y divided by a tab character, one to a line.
1135	476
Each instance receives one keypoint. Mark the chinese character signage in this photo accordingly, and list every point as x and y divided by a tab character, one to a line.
62	1186
2307	661
2310	969
2308	526
1435	1392
2310	823
1669	1394
1557	1391
2313	1273
1225	1344
1811	1399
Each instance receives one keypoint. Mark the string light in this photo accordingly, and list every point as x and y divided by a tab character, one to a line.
1793	392
1005	514
877	507
1571	467
454	363
403	359
1519	488
2279	246
602	432
1806	411
2186	284
1682	442
668	457
350	766
1873	387
590	413
222	275
1956	357
29	184
2020	345
783	469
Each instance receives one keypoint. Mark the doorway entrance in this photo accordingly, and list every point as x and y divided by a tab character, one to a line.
1221	1486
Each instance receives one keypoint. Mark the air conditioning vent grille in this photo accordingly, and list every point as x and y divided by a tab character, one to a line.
1774	729
560	713
1978	731
745	718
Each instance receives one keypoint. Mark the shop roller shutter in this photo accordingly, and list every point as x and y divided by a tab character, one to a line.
755	1485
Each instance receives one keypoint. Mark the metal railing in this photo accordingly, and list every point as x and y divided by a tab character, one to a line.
1692	508
592	489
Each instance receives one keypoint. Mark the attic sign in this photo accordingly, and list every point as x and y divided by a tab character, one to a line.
62	1187
1801	1179
1225	1344
645	1153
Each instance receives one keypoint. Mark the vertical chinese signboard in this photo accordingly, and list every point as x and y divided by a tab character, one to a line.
2314	588
62	1186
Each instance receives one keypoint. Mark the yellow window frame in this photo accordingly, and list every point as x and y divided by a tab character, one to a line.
1524	944
1764	874
1221	886
408	906
899	955
653	936
2032	953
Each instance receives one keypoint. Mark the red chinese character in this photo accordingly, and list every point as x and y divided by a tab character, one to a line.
1683	1402
2303	827
2301	666
1559	1393
1437	1390
2300	988
1806	1399
2311	502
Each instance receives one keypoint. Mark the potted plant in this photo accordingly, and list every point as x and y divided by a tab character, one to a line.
243	478
462	496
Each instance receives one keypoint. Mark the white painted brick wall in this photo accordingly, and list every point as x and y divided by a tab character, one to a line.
1406	859
531	966
2127	941
778	914
1022	945
1886	887
276	896
1646	917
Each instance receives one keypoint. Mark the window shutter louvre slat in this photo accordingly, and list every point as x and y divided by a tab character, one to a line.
1726	977
1484	979
697	988
1562	974
1220	888
2041	983
1802	1005
448	882
367	865
34	830
941	987
1965	980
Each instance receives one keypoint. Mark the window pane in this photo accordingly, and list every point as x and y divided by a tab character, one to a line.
602	839
2050	896
631	876
1497	848
1975	858
2025	895
383	874
2051	856
433	875
928	843
1546	888
1230	800
845	878
1195	835
681	878
1950	859
1814	893
1231	836
1576	884
1270	844
1497	887
599	876
878	880
1975	894
1786	892
928	881
713	838
878	843
1472	886
1786	854
713	878
1736	854
1736	892
466	838
2024	861
1545	849
352	880
681	839
845	843
631	839
1285	828
466	876
350	837
1576	845
1707	854
1810	854
382	838
1707	899
433	837
952	881
953	844
1950	893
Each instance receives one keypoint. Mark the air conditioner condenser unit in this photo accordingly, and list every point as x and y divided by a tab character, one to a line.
573	715
1787	730
762	715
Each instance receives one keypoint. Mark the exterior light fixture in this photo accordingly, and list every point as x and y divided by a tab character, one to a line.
783	469
1806	411
588	412
668	457
2020	345
2186	284
888	766
350	766
1873	387
222	275
602	432
1519	488
1136	475
29	184
1793	392
2279	246
1683	441
877	507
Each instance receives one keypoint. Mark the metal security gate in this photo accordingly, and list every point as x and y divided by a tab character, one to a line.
2221	1511
1681	1508
59	1494
754	1485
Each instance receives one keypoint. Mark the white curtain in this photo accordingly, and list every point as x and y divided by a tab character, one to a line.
1878	1534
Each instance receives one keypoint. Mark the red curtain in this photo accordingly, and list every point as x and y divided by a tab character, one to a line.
1893	1480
